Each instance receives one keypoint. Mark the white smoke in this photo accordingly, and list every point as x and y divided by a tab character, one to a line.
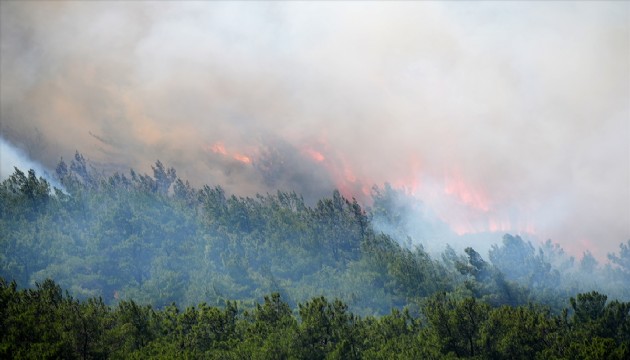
12	157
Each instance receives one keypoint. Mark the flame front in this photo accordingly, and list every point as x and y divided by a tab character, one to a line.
467	208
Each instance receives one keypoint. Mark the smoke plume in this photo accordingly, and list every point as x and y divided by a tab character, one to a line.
507	117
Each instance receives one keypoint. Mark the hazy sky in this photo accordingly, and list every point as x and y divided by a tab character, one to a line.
503	116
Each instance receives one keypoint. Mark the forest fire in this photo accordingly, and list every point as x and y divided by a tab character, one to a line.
217	179
465	207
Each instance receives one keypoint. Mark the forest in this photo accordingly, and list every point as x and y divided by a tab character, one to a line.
137	265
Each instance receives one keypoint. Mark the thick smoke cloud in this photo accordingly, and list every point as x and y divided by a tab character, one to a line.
506	117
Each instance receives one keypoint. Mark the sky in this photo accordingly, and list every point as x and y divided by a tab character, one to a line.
499	116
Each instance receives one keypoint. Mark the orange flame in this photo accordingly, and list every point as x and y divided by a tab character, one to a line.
337	167
220	149
466	194
495	225
315	155
242	158
411	183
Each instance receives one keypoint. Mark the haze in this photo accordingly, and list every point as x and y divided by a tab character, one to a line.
506	117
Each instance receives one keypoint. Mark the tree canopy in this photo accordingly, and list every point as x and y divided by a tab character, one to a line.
128	247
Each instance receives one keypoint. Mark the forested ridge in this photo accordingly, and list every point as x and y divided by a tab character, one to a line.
155	267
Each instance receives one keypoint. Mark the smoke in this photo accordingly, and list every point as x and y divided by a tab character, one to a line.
505	117
12	158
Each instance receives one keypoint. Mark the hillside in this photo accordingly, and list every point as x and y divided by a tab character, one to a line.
157	240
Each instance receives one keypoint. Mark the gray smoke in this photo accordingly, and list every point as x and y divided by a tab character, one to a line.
511	116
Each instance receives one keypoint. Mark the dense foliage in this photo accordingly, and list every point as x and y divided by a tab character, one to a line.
158	240
120	242
44	323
